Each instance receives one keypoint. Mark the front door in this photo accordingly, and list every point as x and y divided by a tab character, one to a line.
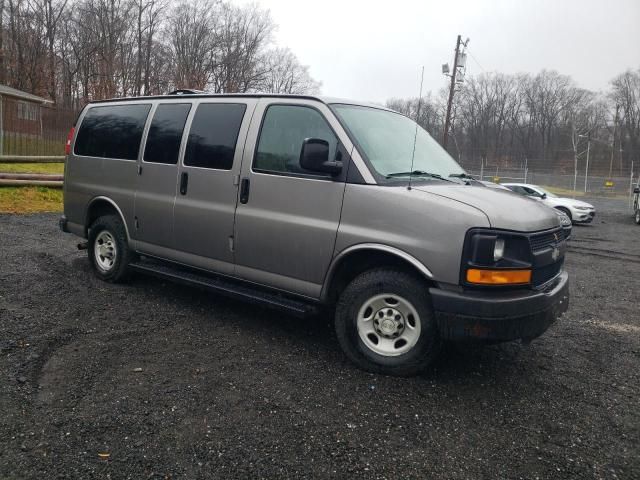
208	183
287	218
157	179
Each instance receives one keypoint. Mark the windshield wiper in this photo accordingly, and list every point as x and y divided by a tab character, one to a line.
417	173
462	175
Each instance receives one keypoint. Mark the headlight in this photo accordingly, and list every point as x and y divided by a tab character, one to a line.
498	249
493	258
565	221
582	208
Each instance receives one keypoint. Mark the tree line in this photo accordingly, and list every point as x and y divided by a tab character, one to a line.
542	120
74	51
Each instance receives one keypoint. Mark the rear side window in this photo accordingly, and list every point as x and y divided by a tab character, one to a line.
284	128
112	131
213	135
165	133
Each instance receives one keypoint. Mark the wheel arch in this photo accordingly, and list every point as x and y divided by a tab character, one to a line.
564	209
99	206
357	259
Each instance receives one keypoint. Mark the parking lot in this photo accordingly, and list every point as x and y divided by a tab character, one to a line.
156	380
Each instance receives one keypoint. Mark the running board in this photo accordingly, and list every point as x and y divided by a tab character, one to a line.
223	286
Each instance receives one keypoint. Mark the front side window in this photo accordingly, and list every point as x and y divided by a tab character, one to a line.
284	129
112	131
387	140
165	133
213	135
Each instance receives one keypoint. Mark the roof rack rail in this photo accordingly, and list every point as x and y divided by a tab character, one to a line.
186	91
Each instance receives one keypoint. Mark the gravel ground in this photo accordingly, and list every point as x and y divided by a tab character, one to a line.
155	380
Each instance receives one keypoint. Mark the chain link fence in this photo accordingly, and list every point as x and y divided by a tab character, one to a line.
568	182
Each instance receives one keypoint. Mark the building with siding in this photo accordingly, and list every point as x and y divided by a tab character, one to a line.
21	112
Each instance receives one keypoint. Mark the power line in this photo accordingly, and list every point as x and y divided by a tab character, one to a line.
477	62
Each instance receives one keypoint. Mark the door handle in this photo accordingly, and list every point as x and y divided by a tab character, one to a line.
244	190
184	182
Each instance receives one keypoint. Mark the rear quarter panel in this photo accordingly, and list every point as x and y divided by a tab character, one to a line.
87	178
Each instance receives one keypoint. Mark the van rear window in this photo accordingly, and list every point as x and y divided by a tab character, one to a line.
112	131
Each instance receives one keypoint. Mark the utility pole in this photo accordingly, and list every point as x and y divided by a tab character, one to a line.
613	140
452	89
586	169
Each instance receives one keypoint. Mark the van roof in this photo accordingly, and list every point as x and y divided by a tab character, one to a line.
196	94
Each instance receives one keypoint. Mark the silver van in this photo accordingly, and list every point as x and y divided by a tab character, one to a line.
311	205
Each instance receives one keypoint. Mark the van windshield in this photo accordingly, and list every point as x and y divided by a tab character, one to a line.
386	139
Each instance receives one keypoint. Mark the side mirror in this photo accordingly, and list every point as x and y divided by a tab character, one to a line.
314	156
636	190
544	195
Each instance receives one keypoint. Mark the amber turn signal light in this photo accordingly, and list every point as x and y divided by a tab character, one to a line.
498	277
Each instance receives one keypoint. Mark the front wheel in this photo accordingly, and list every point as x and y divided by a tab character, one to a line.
384	323
108	249
566	211
637	218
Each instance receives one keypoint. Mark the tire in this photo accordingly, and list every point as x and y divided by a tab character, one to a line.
566	211
108	249
366	311
637	217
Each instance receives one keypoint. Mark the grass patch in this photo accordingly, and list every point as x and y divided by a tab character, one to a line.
30	199
32	168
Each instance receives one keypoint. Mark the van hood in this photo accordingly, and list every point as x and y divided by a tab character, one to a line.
504	209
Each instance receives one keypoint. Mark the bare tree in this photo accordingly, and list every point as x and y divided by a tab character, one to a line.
283	73
191	39
626	94
48	14
241	37
2	35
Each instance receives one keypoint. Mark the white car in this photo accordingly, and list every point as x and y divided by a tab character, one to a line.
577	210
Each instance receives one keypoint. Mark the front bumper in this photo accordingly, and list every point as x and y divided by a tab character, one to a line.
500	316
583	216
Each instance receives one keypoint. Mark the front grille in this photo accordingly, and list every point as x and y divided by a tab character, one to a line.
542	275
544	240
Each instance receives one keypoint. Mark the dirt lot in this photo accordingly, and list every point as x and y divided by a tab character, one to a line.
154	380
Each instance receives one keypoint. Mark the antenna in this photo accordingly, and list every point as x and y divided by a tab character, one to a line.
415	135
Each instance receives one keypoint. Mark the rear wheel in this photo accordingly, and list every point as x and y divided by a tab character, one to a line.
384	323
108	249
638	216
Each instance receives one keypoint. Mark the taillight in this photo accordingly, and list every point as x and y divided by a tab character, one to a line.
67	146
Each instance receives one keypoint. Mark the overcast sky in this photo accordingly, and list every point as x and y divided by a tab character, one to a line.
373	50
